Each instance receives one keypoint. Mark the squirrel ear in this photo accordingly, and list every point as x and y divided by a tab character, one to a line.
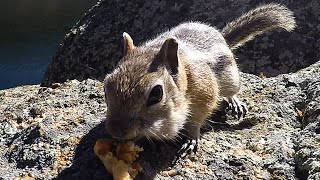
169	54
127	43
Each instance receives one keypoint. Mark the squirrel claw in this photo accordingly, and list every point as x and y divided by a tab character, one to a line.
191	145
236	108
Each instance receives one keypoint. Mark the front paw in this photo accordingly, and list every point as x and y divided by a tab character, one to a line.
189	145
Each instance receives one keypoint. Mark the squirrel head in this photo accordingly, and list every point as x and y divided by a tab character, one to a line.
146	93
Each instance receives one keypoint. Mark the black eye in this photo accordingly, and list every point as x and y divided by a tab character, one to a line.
155	95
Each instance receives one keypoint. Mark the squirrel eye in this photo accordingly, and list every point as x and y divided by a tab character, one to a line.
155	95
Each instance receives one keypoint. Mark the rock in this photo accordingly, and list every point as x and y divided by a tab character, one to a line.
278	138
307	157
94	46
41	146
49	132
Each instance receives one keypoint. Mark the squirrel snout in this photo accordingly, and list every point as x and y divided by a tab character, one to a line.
118	129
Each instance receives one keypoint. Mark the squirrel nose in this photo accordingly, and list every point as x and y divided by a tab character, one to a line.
117	128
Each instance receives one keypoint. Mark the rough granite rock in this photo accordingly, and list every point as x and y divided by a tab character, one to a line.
50	132
94	46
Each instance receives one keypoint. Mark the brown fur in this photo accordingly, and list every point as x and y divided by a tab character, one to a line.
126	91
195	68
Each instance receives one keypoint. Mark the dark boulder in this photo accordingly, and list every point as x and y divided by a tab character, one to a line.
94	46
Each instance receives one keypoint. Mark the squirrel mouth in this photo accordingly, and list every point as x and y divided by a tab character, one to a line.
126	136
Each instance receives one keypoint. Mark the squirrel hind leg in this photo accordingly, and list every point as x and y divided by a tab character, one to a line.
227	74
229	83
236	108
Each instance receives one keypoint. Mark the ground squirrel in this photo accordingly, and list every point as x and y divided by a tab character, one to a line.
169	85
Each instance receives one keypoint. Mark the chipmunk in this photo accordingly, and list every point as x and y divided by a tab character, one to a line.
171	84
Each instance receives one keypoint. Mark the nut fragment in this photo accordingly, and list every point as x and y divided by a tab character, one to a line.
119	159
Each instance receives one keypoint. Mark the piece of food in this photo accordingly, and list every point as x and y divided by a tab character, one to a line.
119	159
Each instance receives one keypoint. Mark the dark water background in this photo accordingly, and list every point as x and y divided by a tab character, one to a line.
30	32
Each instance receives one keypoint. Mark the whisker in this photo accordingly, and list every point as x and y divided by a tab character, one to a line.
215	122
182	134
158	137
148	138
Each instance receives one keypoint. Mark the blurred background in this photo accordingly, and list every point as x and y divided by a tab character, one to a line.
30	32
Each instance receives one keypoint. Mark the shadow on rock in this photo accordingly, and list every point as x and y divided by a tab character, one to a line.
221	121
85	163
156	157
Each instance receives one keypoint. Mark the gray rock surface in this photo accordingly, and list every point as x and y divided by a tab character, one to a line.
50	132
94	45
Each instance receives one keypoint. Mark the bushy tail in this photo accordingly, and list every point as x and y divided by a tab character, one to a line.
257	21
